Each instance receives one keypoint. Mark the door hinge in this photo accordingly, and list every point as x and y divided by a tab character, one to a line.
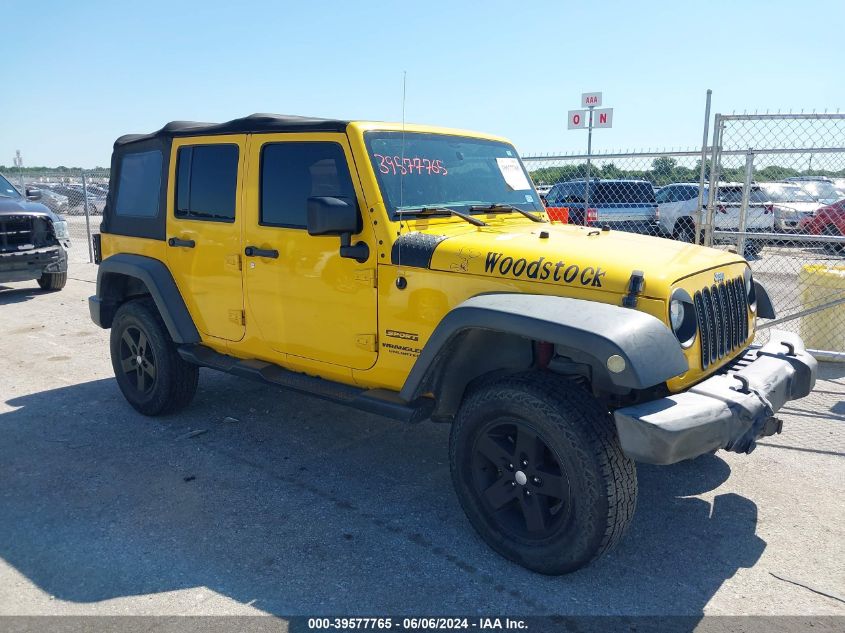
366	276
234	261
237	316
366	341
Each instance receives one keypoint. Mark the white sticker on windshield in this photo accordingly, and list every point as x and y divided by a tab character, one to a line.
529	198
508	152
513	174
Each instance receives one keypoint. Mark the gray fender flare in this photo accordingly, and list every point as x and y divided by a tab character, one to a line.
113	287
765	309
594	331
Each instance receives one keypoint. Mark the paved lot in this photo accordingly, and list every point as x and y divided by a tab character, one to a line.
303	507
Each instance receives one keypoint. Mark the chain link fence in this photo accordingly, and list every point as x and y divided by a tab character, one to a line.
776	192
79	196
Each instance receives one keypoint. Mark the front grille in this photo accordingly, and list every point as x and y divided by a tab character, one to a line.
15	231
722	314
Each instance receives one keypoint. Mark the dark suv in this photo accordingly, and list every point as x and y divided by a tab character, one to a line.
33	239
627	205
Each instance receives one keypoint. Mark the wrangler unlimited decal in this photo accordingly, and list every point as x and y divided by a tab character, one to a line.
542	269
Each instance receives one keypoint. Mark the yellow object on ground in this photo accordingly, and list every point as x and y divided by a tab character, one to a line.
821	284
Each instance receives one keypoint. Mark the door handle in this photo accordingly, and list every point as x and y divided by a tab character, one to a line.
254	251
176	241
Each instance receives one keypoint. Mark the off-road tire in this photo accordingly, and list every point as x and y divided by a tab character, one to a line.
52	281
175	381
581	434
753	248
684	230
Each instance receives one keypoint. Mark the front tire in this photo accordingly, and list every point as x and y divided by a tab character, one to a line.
539	472
832	248
149	371
52	281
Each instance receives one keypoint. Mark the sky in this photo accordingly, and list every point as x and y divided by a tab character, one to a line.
89	71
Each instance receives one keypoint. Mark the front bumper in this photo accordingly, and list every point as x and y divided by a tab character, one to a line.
729	410
30	264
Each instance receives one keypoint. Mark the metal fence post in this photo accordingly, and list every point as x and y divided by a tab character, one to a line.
589	151
87	219
714	179
702	171
743	207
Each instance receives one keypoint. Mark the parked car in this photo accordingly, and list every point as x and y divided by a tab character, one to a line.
56	202
829	220
822	189
792	204
76	197
627	205
677	205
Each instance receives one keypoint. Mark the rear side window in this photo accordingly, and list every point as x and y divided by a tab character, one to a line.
293	172
207	182
622	192
139	185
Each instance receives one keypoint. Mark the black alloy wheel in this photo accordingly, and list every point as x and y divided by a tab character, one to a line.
521	480
137	360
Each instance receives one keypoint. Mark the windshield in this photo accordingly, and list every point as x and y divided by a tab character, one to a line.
821	189
787	193
621	192
734	194
438	170
7	190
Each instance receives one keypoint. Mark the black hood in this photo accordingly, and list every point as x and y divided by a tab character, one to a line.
19	206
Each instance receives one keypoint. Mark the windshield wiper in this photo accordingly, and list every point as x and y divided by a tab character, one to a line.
507	207
434	211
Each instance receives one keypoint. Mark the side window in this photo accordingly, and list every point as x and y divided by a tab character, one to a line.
293	172
139	185
690	193
665	195
207	182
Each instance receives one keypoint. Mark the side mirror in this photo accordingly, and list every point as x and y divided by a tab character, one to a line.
335	216
33	194
331	216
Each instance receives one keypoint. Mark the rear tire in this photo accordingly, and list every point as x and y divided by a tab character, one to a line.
149	371
753	248
539	472
830	248
52	281
684	231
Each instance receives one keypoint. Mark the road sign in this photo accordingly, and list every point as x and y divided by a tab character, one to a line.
590	99
577	119
603	117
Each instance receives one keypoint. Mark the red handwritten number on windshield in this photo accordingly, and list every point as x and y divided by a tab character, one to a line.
410	165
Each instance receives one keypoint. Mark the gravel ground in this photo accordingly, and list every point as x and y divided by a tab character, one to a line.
286	504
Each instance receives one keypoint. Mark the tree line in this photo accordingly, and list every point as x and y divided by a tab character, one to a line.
666	170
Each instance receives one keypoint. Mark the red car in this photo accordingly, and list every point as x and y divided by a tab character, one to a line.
829	220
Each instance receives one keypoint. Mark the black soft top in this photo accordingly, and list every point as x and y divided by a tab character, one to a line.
244	125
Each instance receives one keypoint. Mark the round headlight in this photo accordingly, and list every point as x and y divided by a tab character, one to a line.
749	290
676	314
682	317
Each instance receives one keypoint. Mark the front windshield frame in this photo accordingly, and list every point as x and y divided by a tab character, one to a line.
7	189
505	150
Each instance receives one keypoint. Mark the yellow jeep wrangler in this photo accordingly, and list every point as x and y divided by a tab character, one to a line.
412	272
